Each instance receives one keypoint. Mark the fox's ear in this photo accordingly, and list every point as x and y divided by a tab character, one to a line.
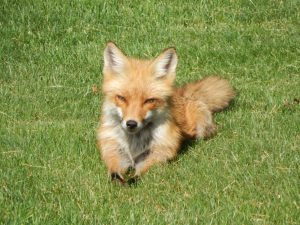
114	59
165	64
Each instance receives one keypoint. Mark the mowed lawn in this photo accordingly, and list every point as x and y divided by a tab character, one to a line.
50	81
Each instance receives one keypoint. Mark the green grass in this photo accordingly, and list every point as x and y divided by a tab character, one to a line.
51	56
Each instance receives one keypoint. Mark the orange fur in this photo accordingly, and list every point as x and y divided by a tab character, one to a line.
144	118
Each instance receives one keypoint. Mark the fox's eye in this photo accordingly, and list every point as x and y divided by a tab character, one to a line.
121	98
150	100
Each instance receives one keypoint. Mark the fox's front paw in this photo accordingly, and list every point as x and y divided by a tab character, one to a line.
115	177
133	180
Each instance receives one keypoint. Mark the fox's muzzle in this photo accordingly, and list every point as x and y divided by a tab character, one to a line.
131	124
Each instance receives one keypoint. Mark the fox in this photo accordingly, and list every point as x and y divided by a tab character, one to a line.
145	119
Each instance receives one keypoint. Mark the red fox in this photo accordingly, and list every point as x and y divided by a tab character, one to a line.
145	118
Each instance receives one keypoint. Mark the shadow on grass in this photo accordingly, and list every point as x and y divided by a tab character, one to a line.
186	146
191	143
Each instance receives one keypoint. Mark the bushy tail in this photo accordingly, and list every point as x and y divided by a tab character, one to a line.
215	92
195	103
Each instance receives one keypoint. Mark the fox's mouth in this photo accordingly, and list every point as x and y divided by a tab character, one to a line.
131	131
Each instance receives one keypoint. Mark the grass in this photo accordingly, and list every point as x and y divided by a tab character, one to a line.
51	57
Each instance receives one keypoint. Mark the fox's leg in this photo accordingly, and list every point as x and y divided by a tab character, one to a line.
159	154
165	150
167	142
205	124
199	120
112	158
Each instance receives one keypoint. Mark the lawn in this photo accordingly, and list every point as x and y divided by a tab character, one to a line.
50	77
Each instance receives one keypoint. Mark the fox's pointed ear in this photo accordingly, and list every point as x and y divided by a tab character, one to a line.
165	64
114	59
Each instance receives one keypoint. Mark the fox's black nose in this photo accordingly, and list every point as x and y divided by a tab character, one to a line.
131	124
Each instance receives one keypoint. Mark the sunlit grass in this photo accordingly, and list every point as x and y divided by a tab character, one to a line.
51	57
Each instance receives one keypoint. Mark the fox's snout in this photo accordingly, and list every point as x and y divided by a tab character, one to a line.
134	122
134	112
131	124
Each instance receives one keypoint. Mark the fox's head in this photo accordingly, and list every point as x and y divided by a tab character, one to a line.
138	91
